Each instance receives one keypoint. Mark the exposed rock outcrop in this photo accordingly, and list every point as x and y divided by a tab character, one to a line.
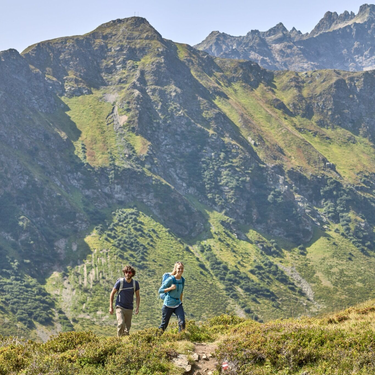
339	41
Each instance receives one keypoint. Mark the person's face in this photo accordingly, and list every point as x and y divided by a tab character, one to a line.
128	274
180	269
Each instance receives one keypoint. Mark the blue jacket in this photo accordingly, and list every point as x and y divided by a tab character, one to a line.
173	298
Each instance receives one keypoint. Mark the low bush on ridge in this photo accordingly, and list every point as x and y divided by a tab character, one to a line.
341	344
330	345
143	352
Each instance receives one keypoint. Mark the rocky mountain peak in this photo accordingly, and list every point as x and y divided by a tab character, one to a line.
325	23
279	28
277	34
366	12
332	20
346	16
295	34
346	42
129	29
23	84
84	61
214	34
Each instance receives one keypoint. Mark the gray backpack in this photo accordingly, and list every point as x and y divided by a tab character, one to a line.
122	281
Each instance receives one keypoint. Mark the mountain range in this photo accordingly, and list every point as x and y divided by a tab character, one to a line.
339	41
119	146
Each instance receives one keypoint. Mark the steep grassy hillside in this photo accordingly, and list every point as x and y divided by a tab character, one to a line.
129	148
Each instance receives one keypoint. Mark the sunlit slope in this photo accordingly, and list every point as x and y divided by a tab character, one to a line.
134	238
151	152
298	120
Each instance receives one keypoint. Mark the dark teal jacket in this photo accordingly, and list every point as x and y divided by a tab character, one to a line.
173	298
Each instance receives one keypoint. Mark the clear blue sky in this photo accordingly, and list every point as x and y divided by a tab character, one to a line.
23	23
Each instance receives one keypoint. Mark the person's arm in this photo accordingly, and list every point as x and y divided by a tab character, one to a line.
183	286
137	301
114	291
167	286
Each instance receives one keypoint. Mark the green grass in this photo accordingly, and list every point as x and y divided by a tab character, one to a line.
349	158
93	280
139	143
349	152
338	343
265	126
217	261
97	140
337	271
251	112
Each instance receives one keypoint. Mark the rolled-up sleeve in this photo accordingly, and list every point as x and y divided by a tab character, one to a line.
167	283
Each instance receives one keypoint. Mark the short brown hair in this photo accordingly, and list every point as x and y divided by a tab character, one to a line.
129	268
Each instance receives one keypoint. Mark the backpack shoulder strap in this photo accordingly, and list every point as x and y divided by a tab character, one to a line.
121	285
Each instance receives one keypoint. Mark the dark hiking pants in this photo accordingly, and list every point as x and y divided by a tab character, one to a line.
166	313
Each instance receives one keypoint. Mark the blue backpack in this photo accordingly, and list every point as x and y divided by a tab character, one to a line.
165	277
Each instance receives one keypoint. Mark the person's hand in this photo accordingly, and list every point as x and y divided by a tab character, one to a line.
136	311
111	310
172	287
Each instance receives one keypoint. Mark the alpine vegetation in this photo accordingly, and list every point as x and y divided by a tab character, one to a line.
119	147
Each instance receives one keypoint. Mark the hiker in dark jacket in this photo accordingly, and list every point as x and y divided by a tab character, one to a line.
173	286
126	288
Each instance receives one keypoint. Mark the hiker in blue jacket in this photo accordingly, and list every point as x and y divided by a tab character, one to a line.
173	286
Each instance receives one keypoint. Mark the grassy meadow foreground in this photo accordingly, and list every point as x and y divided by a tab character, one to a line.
340	343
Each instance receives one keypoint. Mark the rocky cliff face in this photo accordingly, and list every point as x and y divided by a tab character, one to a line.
166	103
119	146
344	41
39	166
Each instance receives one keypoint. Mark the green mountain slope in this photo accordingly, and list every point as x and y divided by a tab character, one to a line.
120	147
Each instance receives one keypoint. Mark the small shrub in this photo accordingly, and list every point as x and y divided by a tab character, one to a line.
68	341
